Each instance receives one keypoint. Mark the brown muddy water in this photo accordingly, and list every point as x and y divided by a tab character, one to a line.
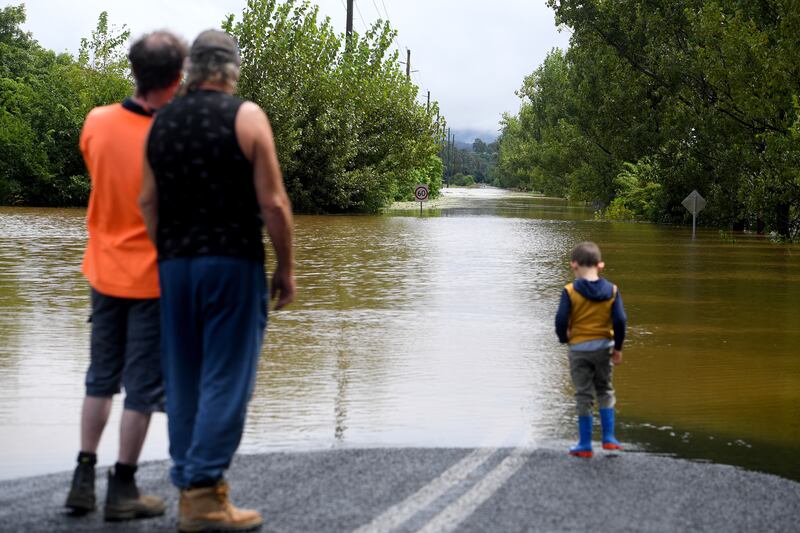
437	330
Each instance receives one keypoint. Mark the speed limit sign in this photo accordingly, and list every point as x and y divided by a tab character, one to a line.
421	193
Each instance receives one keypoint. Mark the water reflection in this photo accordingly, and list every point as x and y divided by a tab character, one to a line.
436	330
44	342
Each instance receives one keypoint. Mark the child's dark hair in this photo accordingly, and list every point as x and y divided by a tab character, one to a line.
587	254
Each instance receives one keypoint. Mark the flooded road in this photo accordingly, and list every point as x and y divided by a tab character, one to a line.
437	330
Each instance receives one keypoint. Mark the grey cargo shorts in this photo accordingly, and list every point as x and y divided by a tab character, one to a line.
591	375
126	351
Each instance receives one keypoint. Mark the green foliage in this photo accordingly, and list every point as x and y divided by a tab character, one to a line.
541	149
462	180
430	174
655	98
349	132
480	162
638	193
105	51
725	237
45	98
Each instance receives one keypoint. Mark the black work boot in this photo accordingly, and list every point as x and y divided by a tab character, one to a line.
123	501
81	497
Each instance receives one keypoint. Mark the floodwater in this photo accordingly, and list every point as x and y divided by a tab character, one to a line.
437	330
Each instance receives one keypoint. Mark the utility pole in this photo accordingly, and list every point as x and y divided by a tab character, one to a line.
449	152
428	107
449	157
408	64
455	155
349	28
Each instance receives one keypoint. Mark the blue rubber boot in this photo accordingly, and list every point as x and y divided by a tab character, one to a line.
584	446
607	421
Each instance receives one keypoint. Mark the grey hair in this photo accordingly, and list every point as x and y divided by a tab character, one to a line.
213	58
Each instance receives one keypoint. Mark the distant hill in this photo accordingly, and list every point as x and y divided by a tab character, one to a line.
464	137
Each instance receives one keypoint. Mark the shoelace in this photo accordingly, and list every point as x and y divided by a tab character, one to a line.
222	496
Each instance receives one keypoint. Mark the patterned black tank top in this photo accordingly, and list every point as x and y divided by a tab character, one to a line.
206	197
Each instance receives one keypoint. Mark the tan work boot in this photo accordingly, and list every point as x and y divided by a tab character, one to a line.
123	501
210	509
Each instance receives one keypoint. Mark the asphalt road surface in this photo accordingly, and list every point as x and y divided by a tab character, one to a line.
539	488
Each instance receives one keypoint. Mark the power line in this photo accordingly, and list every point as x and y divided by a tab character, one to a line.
395	40
388	18
415	73
385	10
366	28
380	15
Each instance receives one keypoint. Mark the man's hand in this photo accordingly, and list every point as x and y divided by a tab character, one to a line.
283	287
616	357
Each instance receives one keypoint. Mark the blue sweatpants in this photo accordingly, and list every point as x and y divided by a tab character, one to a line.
213	316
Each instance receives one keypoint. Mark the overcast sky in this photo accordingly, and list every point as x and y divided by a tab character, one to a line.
471	54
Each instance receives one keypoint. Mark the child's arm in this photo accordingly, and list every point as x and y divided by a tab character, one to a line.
562	317
620	322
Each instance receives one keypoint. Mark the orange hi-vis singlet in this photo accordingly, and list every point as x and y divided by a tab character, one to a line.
120	259
589	320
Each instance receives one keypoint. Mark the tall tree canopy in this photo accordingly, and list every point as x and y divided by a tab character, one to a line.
45	97
655	98
350	133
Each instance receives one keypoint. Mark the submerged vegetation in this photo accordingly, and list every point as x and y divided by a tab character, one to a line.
350	133
656	98
45	97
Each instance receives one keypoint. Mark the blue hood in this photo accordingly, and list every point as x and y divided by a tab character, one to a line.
598	291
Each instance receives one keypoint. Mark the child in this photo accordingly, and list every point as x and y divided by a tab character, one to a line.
592	319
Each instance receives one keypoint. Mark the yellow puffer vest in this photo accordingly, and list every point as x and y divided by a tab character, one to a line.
589	319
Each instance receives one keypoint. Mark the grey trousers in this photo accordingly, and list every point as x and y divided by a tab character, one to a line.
591	375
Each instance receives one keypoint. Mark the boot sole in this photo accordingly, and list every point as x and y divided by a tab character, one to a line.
121	513
582	454
79	508
196	526
75	510
611	446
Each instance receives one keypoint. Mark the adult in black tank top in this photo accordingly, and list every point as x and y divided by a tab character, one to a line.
211	180
206	197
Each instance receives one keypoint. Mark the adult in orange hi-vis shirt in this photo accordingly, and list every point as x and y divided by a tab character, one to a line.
120	265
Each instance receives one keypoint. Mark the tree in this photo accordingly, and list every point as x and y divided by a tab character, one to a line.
658	97
45	97
478	163
349	132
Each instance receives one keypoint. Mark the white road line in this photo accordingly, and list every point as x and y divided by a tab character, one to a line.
459	510
399	513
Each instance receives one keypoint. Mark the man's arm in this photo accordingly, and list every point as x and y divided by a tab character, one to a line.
256	141
562	317
148	200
